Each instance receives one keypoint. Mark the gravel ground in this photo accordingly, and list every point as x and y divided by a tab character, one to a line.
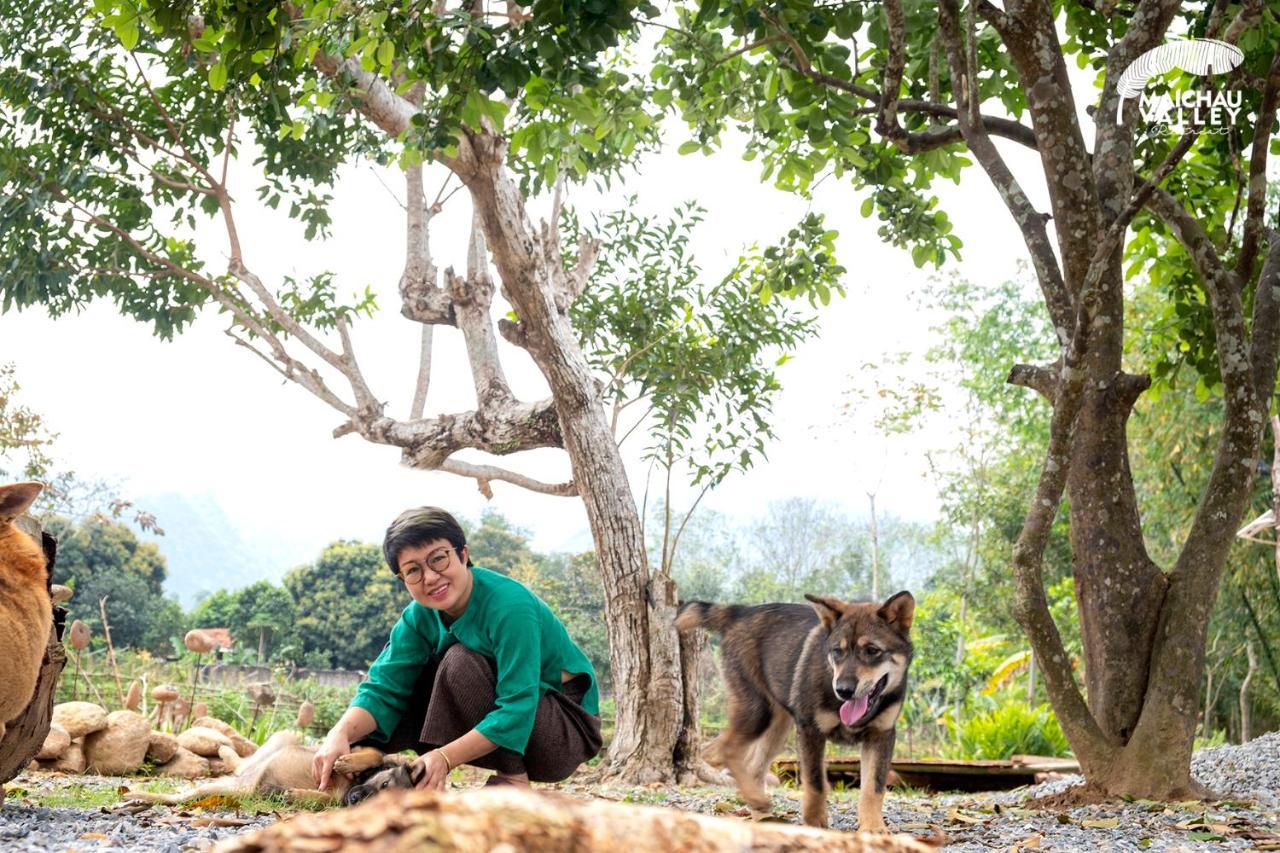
1248	818
28	828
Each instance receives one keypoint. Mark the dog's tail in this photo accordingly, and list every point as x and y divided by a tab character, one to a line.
702	614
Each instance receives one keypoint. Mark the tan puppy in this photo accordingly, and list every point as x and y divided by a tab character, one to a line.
26	612
282	765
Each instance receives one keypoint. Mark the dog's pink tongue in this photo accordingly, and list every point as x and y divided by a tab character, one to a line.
852	711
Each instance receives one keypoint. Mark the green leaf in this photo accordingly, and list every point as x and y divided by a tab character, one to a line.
127	32
689	147
386	53
218	76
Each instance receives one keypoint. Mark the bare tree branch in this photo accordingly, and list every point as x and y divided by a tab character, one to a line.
423	381
914	143
1246	371
1258	172
1213	29
507	429
296	372
1249	15
1031	222
1033	46
484	474
472	298
1266	319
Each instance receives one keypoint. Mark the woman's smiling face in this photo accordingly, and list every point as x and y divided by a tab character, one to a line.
437	576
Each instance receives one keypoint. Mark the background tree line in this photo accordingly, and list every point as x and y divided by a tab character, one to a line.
337	611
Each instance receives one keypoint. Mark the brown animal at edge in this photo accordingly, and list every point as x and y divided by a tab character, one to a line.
26	611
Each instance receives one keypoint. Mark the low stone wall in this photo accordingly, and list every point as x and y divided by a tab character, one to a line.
240	674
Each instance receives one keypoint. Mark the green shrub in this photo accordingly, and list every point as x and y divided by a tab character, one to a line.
1012	728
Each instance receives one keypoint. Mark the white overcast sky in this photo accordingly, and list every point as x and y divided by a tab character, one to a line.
200	416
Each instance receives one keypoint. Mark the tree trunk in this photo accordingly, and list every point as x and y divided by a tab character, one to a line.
689	741
1246	720
1275	485
875	550
1119	589
644	648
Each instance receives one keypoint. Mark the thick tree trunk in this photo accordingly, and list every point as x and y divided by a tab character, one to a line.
689	765
644	648
1119	590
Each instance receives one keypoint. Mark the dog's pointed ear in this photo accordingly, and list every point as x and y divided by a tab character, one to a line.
16	498
829	609
899	610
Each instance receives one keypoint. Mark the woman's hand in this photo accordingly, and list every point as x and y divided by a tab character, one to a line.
434	770
336	744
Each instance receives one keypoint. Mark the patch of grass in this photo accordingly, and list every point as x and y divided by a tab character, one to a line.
256	803
902	789
646	796
71	796
164	785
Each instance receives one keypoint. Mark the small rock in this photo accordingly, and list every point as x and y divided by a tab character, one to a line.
121	747
203	740
185	764
199	642
78	635
162	747
80	718
72	758
221	767
57	740
242	745
134	699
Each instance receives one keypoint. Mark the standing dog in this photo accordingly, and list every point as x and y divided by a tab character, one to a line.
26	613
837	670
282	765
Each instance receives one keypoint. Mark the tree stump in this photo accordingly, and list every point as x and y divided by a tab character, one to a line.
26	732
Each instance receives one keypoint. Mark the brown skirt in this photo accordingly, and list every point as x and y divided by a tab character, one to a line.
459	688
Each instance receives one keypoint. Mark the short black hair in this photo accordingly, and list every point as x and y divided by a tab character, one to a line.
418	526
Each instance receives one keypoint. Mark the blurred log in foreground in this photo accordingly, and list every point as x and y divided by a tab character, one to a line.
505	818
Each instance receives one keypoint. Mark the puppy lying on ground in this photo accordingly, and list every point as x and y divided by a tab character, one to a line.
282	765
25	609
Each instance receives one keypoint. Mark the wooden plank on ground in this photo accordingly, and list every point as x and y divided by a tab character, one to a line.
944	774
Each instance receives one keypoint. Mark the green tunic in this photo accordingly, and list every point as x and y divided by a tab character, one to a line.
505	622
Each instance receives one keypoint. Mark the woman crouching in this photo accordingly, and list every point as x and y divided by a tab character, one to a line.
478	670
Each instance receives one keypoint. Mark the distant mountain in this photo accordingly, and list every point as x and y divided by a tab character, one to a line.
205	552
